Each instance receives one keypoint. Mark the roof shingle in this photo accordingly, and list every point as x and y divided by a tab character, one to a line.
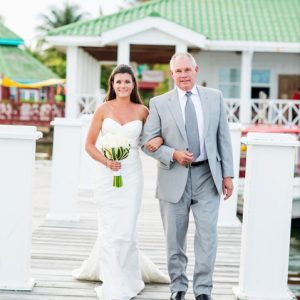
241	20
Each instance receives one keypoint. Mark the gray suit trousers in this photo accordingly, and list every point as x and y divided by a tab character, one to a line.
202	197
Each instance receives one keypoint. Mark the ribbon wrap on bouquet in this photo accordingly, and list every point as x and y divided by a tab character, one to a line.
115	146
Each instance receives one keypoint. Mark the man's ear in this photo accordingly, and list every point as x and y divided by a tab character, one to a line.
197	68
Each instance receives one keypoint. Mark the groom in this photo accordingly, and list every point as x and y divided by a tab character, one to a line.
194	169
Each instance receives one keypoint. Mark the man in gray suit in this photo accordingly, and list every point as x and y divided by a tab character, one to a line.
194	169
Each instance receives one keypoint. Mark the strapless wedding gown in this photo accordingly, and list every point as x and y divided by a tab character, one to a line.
115	259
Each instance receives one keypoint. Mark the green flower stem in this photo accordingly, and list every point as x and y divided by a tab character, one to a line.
118	182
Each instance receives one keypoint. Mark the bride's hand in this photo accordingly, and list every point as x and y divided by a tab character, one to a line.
154	144
113	165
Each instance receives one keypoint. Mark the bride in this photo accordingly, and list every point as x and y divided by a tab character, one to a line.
115	259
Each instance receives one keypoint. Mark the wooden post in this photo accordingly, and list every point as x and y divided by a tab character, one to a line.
65	169
87	164
228	208
267	217
17	155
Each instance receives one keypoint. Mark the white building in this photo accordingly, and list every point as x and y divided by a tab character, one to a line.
242	47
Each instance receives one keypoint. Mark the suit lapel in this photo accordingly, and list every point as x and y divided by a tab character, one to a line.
205	108
174	106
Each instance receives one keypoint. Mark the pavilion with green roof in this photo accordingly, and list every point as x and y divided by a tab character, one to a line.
18	64
242	47
27	87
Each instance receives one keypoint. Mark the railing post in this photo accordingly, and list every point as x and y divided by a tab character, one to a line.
65	169
87	164
17	155
267	217
228	208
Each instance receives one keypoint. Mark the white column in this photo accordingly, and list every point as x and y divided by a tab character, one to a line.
73	82
87	164
17	148
228	208
267	217
65	169
95	81
123	52
246	70
182	47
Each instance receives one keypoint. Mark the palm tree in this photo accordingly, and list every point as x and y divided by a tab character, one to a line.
57	17
70	13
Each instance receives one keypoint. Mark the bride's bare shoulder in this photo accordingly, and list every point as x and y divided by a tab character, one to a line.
103	109
143	112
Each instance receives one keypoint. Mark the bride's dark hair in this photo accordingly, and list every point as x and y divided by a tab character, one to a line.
122	69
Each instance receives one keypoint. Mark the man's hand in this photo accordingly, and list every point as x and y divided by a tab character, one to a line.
227	187
183	157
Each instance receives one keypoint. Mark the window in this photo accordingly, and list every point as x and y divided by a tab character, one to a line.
29	94
43	94
229	82
260	80
13	93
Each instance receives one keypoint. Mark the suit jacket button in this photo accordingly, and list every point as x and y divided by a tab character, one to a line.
186	166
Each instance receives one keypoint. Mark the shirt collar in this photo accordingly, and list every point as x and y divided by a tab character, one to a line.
181	93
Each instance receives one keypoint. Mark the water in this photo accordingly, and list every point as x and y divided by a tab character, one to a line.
294	260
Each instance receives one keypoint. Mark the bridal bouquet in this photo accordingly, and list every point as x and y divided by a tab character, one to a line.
115	146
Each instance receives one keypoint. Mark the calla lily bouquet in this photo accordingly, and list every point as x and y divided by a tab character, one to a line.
115	146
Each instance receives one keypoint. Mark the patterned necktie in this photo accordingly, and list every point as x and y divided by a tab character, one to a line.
191	126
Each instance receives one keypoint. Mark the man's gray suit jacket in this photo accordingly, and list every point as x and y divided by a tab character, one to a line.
165	119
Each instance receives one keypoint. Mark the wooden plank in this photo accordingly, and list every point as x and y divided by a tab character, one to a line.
59	247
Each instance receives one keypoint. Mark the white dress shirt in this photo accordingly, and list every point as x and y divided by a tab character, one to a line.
198	108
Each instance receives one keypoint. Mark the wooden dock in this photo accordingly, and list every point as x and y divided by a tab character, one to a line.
59	247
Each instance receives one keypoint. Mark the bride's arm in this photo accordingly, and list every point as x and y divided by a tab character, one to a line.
154	144
91	140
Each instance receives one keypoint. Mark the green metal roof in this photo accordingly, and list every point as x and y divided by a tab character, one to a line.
20	66
7	37
239	20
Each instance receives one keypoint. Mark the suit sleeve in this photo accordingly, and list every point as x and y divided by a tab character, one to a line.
224	142
152	129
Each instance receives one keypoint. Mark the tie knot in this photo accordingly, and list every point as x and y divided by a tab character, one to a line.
188	94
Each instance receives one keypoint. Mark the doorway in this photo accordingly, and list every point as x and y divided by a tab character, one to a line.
288	84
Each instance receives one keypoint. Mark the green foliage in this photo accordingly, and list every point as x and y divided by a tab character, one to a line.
105	73
51	58
164	85
57	17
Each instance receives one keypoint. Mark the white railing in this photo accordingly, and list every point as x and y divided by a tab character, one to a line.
87	103
273	111
233	109
267	111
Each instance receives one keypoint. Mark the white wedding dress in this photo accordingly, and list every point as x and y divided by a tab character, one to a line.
115	259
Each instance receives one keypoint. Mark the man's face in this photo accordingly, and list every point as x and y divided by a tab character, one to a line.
184	73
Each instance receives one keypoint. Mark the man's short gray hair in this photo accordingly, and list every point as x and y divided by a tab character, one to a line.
182	54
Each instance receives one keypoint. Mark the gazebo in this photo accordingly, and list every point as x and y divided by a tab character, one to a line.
242	47
27	87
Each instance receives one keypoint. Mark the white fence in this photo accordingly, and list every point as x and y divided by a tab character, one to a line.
267	111
263	111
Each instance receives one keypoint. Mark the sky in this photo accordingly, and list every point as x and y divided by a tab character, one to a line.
22	16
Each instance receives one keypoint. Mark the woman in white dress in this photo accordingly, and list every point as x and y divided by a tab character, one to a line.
115	259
